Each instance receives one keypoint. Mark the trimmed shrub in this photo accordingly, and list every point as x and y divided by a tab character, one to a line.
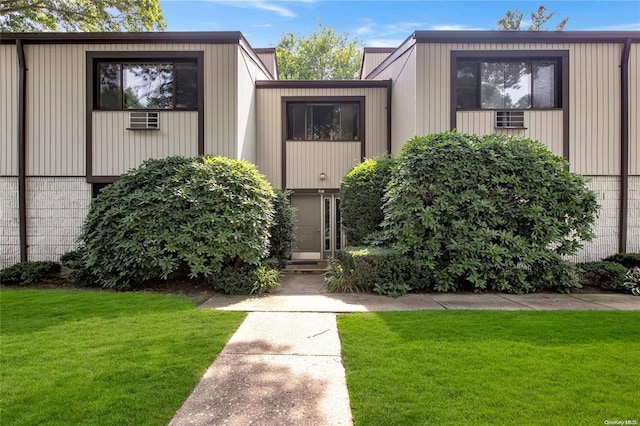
178	214
283	229
602	274
628	260
29	273
378	269
477	213
361	193
77	272
553	274
246	279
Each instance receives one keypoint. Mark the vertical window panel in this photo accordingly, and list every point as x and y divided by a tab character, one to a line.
110	95
544	84
323	121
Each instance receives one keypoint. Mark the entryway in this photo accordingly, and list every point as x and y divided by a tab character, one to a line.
318	226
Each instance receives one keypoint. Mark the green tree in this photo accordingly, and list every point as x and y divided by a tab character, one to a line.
322	55
80	15
512	20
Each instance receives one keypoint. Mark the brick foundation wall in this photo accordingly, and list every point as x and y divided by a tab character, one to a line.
9	222
56	208
633	232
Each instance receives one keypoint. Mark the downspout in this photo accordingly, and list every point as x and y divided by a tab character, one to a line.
624	146
389	88
22	148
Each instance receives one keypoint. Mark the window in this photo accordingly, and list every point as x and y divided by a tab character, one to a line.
508	84
323	121
130	85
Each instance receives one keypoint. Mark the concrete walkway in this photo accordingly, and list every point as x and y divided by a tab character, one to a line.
283	364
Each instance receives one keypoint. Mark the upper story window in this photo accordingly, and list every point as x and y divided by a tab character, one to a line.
323	121
133	85
508	83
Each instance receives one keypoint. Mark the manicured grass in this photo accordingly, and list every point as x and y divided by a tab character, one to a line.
475	367
84	357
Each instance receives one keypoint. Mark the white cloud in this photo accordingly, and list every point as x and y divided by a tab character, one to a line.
383	42
261	25
365	29
259	4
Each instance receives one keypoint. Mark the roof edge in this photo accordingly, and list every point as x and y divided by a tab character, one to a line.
503	36
319	84
213	37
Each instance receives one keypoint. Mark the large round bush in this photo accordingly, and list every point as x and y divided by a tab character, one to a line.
283	229
485	212
361	192
177	214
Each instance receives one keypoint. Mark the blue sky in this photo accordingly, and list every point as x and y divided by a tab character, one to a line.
381	23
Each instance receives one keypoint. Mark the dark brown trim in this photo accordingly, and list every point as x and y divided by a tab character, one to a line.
525	36
22	150
218	37
404	47
102	179
201	92
265	50
314	191
379	49
562	55
319	84
389	99
564	73
361	100
283	142
94	56
624	146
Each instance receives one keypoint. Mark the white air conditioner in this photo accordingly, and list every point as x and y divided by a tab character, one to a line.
144	121
510	120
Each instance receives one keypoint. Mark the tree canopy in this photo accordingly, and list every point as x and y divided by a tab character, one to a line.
80	15
322	55
512	20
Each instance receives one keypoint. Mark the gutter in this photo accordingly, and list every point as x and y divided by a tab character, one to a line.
22	148
624	146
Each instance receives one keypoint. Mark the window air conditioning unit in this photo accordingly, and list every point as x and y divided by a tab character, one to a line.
510	120
144	121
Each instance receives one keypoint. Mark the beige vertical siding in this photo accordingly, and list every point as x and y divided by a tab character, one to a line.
116	150
594	101
370	61
56	100
543	125
55	109
8	110
306	160
269	60
634	111
221	100
269	124
248	72
403	113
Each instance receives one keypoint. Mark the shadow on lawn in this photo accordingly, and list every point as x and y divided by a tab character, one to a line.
249	388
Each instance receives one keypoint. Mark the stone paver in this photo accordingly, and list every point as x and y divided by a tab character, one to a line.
283	365
277	369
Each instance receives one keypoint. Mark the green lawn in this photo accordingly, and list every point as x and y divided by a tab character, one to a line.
86	357
463	367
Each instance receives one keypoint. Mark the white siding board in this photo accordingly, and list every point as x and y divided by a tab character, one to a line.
269	61
116	150
544	126
307	159
270	131
8	110
248	72
56	101
372	60
402	72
